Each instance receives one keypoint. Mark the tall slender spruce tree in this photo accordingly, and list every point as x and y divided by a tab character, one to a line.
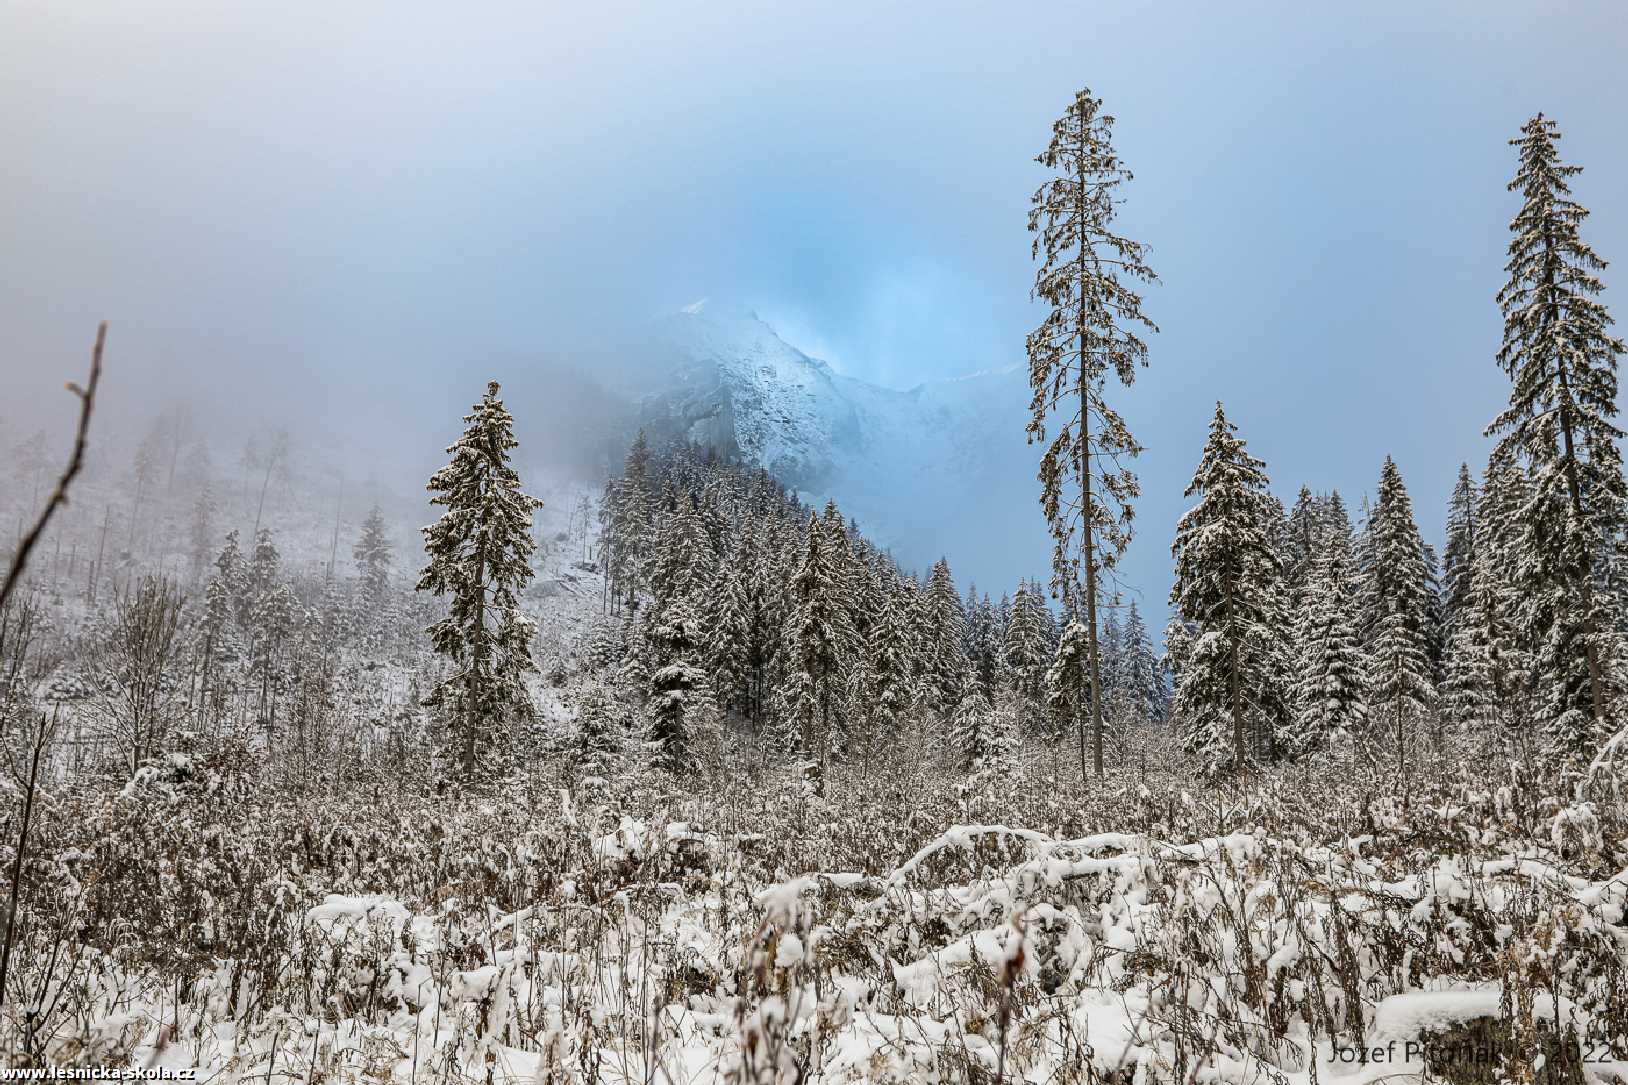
372	554
1087	278
1398	611
1331	685
1562	360
885	677
480	559
1144	686
1505	490
944	627
818	637
1460	557
1025	653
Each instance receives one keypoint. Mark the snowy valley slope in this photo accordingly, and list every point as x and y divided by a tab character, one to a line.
942	469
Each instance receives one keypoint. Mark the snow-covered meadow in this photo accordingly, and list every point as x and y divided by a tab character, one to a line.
620	931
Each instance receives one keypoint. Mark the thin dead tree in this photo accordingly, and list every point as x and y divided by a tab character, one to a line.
14	575
1087	277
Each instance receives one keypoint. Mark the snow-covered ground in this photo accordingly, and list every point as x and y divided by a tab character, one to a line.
570	940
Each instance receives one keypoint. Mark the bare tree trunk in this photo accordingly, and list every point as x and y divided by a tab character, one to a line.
333	553
175	447
472	679
1087	520
17	864
1235	689
135	509
1401	736
101	551
260	509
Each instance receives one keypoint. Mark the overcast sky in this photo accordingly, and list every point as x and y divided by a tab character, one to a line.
361	211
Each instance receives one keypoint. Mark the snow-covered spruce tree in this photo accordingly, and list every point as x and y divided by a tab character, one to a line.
625	515
264	567
1087	278
977	733
1277	529
1226	577
480	560
1001	755
845	570
767	623
204	508
217	615
275	623
991	630
334	620
870	575
599	745
1613	563
1396	609
1301	543
1469	702
372	555
603	647
259	579
1460	556
1275	715
1067	681
885	690
1489	671
1051	628
849	580
1143	685
818	640
234	577
732	650
944	641
1331	679
680	695
1179	636
1111	647
683	563
1562	360
638	660
971	729
1435	625
1336	522
1362	540
978	638
1276	721
1026	655
143	473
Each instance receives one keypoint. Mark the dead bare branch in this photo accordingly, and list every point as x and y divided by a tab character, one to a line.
59	497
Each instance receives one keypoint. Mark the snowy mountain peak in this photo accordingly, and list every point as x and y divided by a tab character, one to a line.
732	382
927	471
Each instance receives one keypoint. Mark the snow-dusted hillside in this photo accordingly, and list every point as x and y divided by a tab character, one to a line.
941	468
